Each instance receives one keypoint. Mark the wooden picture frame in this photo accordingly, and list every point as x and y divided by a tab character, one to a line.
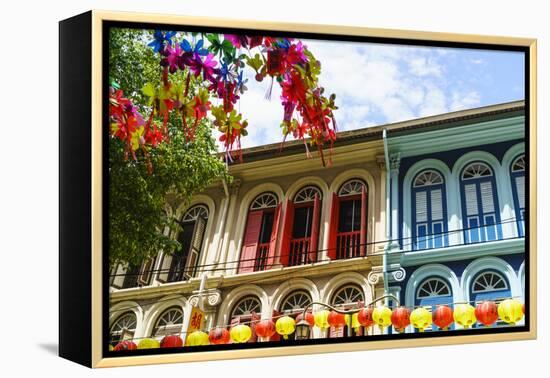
382	269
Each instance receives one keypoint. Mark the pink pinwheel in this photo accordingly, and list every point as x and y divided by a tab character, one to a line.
173	57
237	40
206	67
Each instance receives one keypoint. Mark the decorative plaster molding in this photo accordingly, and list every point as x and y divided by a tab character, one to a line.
212	298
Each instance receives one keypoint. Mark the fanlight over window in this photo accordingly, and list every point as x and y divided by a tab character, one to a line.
246	307
296	302
264	201
169	323
195	212
428	178
348	295
351	188
432	288
519	164
476	170
125	325
307	194
489	281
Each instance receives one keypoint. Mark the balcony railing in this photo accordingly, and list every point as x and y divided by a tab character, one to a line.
261	259
348	245
300	253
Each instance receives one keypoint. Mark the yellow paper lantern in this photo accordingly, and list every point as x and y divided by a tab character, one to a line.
241	333
111	348
197	338
421	318
464	314
355	321
285	326
148	344
382	316
510	311
321	319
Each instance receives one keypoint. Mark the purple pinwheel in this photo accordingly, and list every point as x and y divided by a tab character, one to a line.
158	43
172	58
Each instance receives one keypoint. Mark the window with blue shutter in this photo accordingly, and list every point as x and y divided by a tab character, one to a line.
481	219
518	189
429	211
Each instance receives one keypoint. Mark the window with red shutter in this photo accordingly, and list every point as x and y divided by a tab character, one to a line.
273	238
333	231
287	232
250	243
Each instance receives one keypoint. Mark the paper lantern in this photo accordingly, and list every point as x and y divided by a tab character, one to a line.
321	319
218	335
240	333
265	328
285	326
148	344
442	317
400	318
464	314
197	338
510	311
336	319
523	308
364	316
421	318
486	313
355	324
125	345
111	348
171	341
382	316
309	318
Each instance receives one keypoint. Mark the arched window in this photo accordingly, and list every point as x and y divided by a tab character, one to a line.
518	188
434	291
300	239
123	328
170	322
182	264
429	210
260	234
480	210
348	221
247	310
489	285
347	297
295	303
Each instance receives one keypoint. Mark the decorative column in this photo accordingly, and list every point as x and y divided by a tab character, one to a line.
395	161
229	228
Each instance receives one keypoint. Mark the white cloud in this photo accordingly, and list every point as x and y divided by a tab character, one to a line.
465	100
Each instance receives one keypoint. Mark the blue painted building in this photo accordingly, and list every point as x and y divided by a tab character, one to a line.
457	208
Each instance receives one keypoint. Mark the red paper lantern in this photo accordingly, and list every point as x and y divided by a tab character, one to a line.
125	345
365	316
265	328
171	341
219	335
336	319
487	313
443	317
400	318
309	318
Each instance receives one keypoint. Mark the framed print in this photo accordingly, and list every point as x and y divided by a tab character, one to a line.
233	189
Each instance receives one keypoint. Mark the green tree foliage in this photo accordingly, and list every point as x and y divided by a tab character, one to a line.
139	188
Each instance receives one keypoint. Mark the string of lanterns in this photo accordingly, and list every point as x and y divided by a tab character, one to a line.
486	313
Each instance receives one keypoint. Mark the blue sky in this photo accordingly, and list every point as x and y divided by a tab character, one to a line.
377	84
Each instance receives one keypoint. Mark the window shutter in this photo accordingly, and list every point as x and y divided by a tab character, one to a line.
117	280
437	204
195	248
165	265
273	239
487	199
471	199
421	207
287	232
363	235
315	224
333	231
250	243
520	189
146	271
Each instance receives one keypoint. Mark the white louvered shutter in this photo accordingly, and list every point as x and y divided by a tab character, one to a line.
437	204
471	199
520	188
165	265
421	207
196	244
117	280
487	199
